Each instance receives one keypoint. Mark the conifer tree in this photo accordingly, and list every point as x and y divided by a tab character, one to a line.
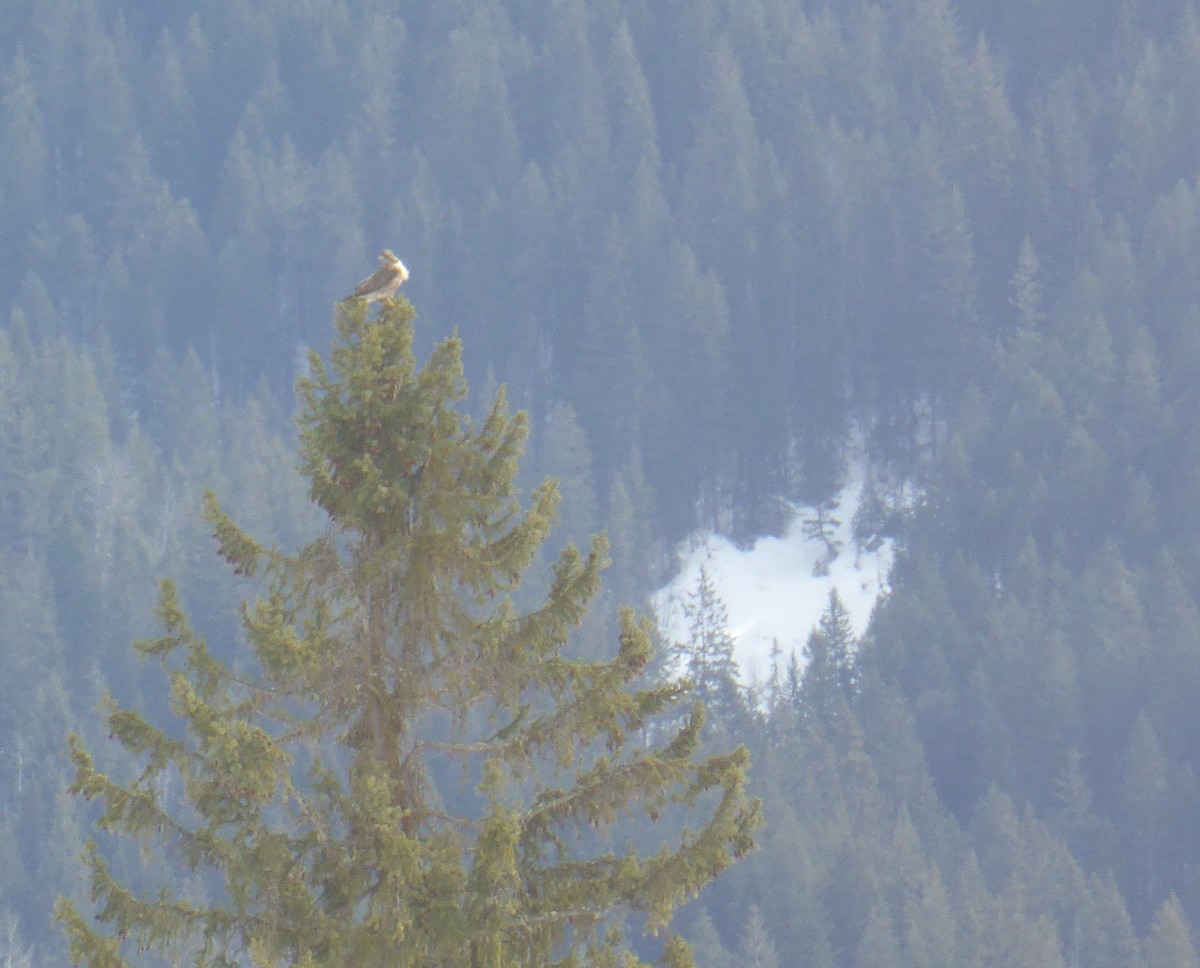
755	948
829	674
878	944
707	657
1169	944
707	950
390	664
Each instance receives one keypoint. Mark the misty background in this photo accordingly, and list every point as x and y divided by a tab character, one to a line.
732	257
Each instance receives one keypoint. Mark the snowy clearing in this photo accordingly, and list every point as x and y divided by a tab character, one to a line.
771	592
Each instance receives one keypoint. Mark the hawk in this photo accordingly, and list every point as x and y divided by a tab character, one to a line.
384	281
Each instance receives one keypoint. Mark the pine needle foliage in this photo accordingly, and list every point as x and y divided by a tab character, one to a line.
388	655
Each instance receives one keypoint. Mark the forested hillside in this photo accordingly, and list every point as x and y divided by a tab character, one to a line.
706	244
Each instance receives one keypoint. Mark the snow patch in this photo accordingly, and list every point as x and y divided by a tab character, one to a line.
775	592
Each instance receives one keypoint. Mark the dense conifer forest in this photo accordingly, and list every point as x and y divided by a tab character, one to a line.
719	251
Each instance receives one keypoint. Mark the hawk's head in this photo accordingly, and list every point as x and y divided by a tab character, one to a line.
388	258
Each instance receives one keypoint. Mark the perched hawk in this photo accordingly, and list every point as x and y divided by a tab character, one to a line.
384	281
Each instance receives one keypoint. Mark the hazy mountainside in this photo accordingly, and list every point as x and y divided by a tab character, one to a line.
666	219
698	240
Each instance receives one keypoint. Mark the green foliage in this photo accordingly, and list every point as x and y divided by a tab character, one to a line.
829	679
388	656
706	658
721	235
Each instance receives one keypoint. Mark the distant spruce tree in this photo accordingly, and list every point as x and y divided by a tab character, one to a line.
388	655
830	676
706	658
